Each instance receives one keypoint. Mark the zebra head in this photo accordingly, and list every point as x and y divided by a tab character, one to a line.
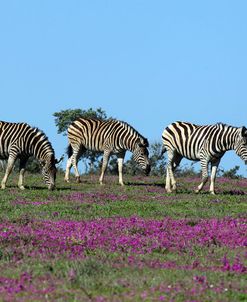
140	154
241	144
49	170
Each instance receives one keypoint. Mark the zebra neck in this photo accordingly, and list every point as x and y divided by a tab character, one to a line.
232	140
43	154
132	144
235	143
224	139
41	150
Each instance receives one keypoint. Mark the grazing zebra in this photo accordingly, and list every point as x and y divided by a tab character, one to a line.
206	144
19	140
110	137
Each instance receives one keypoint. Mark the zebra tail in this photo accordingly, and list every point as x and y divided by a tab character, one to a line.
69	151
163	150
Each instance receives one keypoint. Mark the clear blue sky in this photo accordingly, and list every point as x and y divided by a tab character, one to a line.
145	62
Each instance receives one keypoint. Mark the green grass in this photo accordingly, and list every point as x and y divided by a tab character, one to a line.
112	276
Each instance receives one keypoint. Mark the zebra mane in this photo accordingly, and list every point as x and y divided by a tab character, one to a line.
123	123
222	124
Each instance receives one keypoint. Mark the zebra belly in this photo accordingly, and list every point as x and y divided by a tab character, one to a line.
189	149
187	153
189	156
4	154
90	145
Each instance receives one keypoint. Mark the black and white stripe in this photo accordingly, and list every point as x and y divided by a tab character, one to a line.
19	140
109	137
206	144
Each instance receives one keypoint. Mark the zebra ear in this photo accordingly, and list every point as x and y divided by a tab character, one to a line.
138	141
142	142
244	132
146	143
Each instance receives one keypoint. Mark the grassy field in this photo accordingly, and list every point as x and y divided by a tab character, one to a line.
85	242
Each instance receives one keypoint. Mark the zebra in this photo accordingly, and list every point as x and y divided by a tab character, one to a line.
108	136
20	140
204	143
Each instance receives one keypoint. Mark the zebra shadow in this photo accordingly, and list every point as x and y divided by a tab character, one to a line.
46	189
41	188
205	193
181	191
137	184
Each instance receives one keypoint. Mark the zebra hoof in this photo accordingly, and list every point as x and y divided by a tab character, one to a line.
22	187
78	180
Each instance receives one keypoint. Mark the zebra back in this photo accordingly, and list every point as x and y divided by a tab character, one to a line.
21	140
188	139
97	135
24	139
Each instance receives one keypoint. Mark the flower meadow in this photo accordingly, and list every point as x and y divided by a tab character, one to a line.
85	242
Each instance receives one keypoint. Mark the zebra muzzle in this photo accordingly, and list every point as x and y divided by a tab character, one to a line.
51	187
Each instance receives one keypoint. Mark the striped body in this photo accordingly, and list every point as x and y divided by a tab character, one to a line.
19	140
109	137
206	144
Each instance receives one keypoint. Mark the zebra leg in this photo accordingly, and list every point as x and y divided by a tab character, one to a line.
23	162
170	180
68	167
120	167
73	161
10	165
175	163
104	165
204	166
214	167
75	165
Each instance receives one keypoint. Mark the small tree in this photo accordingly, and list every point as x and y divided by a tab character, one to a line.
157	162
113	165
131	167
187	170
231	173
64	118
157	159
3	164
